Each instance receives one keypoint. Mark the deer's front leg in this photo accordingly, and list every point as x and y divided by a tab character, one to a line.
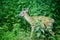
32	30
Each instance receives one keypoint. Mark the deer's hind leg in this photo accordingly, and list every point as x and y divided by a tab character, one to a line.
32	30
51	32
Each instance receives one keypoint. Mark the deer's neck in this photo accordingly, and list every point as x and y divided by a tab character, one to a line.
28	18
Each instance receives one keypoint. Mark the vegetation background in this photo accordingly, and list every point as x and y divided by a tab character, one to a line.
12	27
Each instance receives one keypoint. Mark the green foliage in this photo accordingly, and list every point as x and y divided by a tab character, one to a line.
10	22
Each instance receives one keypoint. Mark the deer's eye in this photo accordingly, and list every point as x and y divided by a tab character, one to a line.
24	9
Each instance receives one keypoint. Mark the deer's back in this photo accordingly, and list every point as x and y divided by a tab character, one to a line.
42	19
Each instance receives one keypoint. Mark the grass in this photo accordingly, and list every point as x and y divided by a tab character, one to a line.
21	34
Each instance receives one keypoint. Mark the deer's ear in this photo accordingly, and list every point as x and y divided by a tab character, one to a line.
27	9
22	9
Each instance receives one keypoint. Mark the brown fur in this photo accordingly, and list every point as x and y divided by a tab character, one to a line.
44	20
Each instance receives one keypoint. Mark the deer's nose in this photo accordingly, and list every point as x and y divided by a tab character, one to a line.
19	15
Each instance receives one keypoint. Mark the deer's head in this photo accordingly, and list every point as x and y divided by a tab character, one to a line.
23	12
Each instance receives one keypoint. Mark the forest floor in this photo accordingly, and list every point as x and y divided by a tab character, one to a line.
22	35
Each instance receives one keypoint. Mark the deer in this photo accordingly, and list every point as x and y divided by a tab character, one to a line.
45	21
